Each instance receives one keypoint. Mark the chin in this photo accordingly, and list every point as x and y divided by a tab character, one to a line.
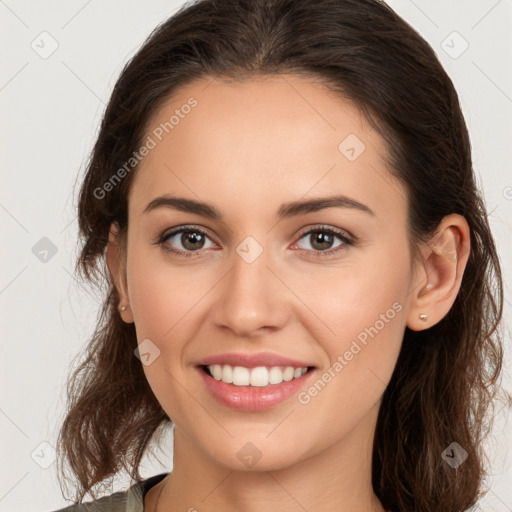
260	454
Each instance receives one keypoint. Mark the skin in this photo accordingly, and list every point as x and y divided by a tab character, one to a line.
247	148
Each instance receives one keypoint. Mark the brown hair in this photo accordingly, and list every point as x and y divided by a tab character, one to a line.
446	376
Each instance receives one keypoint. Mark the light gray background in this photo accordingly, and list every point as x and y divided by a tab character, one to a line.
51	108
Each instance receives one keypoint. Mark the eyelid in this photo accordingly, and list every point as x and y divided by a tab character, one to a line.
342	233
166	233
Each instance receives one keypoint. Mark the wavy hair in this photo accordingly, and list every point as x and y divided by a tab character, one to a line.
446	377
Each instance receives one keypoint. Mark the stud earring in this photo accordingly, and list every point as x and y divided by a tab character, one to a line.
122	308
423	316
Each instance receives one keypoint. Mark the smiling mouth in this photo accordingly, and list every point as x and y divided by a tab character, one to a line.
258	376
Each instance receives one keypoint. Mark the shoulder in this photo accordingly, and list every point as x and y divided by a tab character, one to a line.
116	502
131	500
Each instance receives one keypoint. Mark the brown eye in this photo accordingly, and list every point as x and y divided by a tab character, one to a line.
184	241
192	240
321	241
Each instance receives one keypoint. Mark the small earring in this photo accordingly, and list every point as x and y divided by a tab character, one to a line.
122	308
423	316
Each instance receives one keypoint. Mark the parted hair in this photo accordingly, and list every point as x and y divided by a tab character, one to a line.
447	376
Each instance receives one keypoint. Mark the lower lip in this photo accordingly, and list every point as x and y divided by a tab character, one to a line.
253	398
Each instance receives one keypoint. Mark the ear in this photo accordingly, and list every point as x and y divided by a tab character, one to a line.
439	274
116	262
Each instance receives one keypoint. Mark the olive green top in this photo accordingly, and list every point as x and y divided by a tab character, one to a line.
131	500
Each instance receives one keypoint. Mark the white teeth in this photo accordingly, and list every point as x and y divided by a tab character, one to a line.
216	370
288	373
241	376
258	376
227	374
275	375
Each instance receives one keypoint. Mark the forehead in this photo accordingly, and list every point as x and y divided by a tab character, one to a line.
255	139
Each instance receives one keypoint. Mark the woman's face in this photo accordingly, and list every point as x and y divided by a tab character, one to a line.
325	287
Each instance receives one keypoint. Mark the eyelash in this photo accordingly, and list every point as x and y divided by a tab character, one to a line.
315	254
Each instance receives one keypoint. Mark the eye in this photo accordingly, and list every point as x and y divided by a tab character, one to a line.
190	238
321	241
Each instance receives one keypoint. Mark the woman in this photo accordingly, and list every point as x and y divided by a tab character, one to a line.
301	277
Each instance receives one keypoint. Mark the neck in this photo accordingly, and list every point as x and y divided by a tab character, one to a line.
335	479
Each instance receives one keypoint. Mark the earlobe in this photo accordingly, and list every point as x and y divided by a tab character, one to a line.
115	258
439	274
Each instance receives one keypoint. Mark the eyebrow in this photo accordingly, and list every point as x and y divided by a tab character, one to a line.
286	210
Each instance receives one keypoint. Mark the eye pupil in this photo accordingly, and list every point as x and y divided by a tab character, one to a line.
193	237
322	238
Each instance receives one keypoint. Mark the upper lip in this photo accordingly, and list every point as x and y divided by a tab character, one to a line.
252	360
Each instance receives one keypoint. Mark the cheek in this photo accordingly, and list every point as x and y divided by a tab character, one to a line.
367	320
349	299
360	314
161	295
152	299
162	299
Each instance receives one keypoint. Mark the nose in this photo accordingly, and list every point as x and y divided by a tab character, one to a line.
253	300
